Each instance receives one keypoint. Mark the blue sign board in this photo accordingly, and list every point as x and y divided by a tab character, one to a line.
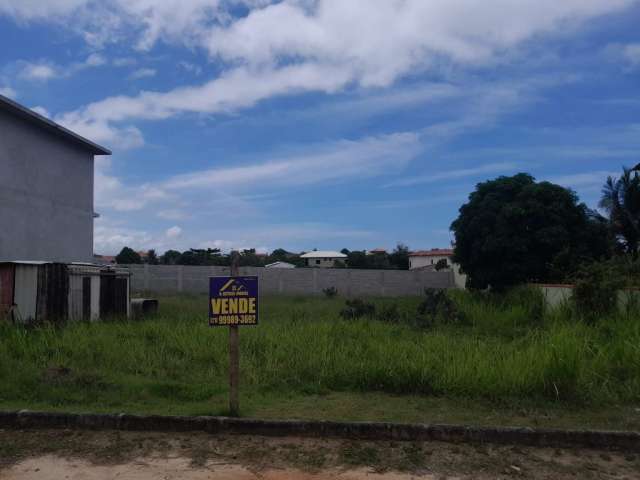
233	301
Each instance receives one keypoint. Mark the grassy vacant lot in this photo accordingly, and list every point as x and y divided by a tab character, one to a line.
507	362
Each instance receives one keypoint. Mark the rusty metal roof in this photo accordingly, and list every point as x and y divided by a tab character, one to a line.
23	112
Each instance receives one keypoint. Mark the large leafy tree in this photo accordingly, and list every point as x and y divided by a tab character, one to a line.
621	200
399	258
170	257
128	256
514	229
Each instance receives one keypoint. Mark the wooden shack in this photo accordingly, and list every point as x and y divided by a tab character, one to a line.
57	292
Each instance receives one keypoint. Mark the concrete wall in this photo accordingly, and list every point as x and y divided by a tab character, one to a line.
299	281
46	195
557	295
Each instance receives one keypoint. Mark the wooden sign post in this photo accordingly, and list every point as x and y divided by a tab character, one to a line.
234	352
233	301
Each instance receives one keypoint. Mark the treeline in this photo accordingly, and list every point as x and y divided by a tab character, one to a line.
398	259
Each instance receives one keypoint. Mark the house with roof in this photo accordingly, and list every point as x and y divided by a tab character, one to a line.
46	188
428	259
323	258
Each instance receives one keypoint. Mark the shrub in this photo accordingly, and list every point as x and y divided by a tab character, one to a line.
442	264
357	308
388	314
437	307
330	292
596	291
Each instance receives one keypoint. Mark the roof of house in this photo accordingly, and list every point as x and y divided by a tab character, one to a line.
434	252
323	254
23	112
280	264
378	250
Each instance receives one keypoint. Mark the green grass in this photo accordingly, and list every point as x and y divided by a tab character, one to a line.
507	364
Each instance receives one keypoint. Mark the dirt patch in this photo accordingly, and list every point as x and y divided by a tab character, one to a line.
60	454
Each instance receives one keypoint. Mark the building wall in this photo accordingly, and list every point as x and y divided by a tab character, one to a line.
322	262
427	261
297	281
46	195
423	261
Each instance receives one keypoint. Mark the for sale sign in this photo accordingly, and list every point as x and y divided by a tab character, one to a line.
233	301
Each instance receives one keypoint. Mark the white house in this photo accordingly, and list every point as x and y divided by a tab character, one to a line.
323	258
428	259
280	265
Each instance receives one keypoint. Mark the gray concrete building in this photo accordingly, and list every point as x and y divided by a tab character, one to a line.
46	188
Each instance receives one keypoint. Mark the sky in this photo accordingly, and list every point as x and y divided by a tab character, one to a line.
303	124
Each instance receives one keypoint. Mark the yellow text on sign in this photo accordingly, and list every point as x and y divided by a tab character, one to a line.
228	306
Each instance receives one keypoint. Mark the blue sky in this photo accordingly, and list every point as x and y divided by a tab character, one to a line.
324	123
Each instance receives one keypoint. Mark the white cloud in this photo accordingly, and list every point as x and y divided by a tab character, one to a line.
172	214
8	92
38	71
95	60
333	162
173	232
631	53
143	73
584	179
124	62
37	9
317	164
299	46
491	168
44	70
41	111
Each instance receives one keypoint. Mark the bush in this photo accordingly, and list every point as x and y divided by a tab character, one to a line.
330	292
388	314
438	308
357	308
596	292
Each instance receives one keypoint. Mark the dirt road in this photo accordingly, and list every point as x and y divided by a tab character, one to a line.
78	455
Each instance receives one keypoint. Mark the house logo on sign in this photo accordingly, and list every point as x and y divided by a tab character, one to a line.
234	288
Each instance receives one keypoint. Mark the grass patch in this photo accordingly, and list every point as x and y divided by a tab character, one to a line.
508	362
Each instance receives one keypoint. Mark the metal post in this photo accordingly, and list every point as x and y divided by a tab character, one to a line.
234	352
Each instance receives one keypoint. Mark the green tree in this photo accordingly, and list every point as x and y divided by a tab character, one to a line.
621	200
128	256
399	258
152	258
170	257
512	230
357	259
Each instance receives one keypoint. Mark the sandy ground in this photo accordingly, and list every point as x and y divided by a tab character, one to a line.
78	455
55	468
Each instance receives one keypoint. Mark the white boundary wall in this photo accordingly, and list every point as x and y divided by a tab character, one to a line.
295	281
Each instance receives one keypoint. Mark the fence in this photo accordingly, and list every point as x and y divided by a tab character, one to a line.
295	281
556	295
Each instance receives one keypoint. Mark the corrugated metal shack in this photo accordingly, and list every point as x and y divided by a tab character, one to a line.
55	292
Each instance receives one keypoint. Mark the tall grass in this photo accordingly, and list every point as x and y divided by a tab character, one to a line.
508	349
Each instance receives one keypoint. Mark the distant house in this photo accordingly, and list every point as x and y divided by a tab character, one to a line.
46	188
323	258
104	259
428	259
377	251
280	265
